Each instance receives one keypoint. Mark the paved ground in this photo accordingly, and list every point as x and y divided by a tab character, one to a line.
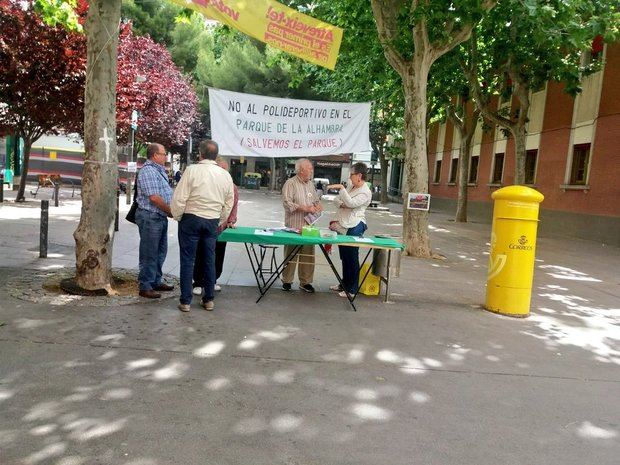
299	379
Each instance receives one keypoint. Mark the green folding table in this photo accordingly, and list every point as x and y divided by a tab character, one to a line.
261	236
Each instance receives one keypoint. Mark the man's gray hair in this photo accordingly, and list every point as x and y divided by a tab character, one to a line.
299	163
208	149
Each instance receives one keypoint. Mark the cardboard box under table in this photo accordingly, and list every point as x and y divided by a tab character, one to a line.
265	238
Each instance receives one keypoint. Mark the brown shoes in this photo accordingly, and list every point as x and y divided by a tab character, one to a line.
164	287
150	294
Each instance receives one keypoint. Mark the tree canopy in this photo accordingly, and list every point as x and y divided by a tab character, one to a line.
166	101
42	71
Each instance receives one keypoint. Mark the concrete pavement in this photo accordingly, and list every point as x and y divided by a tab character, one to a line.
301	379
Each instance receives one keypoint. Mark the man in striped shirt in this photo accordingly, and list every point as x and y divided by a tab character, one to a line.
299	198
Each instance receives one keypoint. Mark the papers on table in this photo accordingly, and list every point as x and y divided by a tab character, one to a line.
363	239
262	232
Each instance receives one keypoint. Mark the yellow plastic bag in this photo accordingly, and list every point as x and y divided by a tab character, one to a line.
372	285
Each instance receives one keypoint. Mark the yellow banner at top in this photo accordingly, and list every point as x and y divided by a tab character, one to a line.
277	25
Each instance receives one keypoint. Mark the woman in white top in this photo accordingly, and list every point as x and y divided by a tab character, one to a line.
350	219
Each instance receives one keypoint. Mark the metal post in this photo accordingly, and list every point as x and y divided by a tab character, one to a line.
129	175
118	194
56	193
45	207
1	186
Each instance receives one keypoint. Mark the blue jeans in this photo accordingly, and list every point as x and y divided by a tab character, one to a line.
193	230
350	260
153	229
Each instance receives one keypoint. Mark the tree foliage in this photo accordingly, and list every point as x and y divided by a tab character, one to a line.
42	72
155	18
166	101
521	45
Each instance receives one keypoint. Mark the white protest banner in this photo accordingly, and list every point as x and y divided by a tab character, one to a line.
258	126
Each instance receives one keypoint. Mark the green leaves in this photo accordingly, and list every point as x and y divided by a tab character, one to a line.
61	12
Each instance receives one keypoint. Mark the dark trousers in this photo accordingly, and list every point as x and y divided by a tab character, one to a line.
350	260
153	230
194	230
220	253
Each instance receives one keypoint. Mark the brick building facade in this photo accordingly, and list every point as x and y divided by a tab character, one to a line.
573	158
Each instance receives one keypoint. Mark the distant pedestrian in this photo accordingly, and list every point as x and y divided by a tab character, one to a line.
220	247
202	202
154	195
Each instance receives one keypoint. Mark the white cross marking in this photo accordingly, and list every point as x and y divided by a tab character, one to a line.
106	140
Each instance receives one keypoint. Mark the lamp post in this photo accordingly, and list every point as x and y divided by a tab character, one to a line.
134	127
131	167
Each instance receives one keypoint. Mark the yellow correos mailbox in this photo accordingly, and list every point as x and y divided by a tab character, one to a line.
513	247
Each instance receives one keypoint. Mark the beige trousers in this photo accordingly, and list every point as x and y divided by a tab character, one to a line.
306	265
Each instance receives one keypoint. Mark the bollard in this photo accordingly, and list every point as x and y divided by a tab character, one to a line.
513	248
56	194
118	194
128	190
1	186
45	207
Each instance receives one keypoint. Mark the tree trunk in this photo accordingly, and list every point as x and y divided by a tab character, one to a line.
384	177
273	179
94	236
464	158
415	222
24	176
467	130
520	136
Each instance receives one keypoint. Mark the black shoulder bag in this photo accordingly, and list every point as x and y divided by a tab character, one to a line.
131	215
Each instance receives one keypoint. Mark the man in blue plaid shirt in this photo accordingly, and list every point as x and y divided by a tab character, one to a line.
154	196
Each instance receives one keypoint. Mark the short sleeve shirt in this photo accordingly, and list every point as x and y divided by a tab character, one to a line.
153	180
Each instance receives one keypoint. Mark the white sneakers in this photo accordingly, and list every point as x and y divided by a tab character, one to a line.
198	290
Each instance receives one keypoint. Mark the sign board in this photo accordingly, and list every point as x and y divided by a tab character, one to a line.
328	164
132	166
259	126
418	201
134	120
277	25
53	156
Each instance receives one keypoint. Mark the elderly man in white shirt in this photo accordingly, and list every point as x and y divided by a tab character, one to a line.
201	202
350	219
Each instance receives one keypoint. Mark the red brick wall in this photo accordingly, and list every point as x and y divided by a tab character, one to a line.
603	198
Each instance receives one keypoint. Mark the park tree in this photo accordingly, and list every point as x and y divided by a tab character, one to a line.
41	77
165	100
450	98
361	75
94	236
415	34
520	46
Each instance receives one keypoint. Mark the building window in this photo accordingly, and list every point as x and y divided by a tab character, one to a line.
454	166
498	168
531	157
473	170
579	164
437	171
